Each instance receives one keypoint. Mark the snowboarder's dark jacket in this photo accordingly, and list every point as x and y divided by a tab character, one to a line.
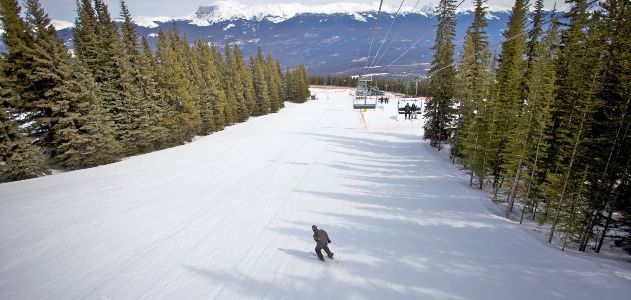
321	238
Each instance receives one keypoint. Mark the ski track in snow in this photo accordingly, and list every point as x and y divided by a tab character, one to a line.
229	216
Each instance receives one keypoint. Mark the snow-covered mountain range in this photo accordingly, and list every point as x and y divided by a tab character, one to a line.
328	39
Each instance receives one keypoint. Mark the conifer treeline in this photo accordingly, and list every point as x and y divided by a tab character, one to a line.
115	96
546	124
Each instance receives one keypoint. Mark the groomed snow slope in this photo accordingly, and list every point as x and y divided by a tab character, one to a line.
229	217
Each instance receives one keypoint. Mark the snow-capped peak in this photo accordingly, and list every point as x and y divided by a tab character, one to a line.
60	25
278	12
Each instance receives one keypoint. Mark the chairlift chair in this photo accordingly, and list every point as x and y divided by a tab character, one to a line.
402	102
363	95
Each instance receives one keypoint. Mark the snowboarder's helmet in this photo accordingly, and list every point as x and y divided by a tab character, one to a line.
314	227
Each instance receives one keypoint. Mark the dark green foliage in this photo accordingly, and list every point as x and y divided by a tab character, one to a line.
438	108
83	134
261	86
558	120
245	75
472	123
99	46
211	91
238	110
18	158
115	96
296	85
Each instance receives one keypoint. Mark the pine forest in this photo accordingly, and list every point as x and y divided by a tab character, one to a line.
113	96
544	122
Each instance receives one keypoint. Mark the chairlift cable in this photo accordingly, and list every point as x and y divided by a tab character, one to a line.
413	45
397	33
387	33
373	36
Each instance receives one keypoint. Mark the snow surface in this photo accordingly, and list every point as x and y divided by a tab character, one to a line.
229	216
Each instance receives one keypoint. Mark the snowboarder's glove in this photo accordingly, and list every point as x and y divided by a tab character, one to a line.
329	241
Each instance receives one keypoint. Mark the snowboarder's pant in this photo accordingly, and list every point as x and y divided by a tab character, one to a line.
318	250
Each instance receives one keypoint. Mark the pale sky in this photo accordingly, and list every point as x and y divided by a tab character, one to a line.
66	9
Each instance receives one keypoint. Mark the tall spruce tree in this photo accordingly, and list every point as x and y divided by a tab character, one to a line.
29	71
99	46
183	119
214	99
272	77
438	111
541	86
245	75
149	109
261	89
151	92
19	159
613	120
80	135
510	100
83	135
579	86
524	130
235	86
473	93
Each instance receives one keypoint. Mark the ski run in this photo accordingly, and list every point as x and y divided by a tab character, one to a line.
229	216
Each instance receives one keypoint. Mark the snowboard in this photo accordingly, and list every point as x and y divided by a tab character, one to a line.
326	258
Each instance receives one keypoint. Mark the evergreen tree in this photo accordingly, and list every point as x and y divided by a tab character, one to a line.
289	86
473	94
158	107
149	111
99	46
303	83
541	97
182	120
83	135
578	97
438	110
29	71
281	86
19	159
237	107
220	108
75	110
614	119
261	90
607	143
513	125
245	75
214	99
272	77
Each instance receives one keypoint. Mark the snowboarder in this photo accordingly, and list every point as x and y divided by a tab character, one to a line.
406	109
322	242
